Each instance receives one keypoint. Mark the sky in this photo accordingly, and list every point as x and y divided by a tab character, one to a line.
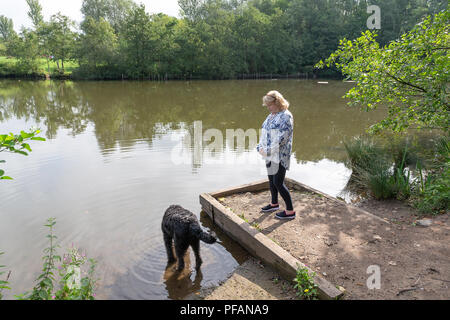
17	9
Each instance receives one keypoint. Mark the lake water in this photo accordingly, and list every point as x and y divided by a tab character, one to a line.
119	153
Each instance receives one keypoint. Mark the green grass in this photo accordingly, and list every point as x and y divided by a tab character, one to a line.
361	152
8	66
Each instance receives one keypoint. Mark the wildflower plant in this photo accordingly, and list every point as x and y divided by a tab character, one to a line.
72	286
304	283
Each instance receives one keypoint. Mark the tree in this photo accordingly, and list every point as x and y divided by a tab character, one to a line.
117	12
191	9
26	48
410	75
6	28
400	16
44	32
95	9
214	29
139	42
164	28
316	26
249	29
212	39
40	27
61	38
35	12
186	47
113	11
8	37
97	44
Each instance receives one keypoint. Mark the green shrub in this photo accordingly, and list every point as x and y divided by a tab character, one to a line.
435	197
432	194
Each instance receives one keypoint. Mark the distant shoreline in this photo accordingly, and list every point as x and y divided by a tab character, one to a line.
299	76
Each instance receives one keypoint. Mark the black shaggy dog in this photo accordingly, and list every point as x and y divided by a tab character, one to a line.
183	227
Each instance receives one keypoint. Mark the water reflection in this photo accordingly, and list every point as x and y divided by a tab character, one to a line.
126	112
178	283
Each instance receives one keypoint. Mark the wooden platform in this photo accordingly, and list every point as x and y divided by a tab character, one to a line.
259	245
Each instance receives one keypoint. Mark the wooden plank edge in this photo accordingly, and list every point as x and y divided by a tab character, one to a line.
300	186
261	246
249	187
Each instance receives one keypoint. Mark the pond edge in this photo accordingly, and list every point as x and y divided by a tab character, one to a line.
258	244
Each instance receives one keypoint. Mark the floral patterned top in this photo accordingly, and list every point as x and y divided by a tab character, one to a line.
276	138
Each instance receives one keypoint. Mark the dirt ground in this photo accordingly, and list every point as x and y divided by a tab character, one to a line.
252	280
341	244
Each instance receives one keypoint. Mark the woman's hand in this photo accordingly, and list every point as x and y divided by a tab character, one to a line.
261	152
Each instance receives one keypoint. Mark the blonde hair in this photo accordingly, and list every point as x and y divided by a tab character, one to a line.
277	98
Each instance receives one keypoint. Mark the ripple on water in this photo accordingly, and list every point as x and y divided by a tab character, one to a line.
149	277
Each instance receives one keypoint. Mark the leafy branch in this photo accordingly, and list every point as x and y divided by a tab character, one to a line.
409	75
17	144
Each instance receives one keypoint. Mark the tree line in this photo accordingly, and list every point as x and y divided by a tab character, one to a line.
212	39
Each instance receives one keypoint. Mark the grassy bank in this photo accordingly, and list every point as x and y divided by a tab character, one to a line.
11	67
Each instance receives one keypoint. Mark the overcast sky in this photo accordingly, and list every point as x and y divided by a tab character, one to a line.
17	9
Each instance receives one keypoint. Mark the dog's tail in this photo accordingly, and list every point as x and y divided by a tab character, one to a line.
202	235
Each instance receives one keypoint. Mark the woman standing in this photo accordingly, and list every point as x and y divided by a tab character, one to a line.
276	147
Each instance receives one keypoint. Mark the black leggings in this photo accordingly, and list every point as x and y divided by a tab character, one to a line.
276	181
